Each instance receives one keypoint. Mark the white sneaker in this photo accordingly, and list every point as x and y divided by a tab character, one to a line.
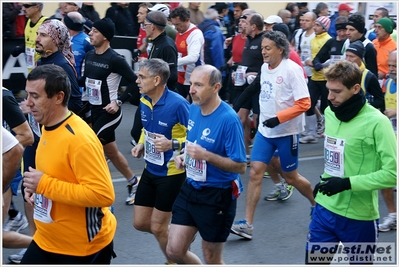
131	190
16	258
309	139
389	223
16	224
305	133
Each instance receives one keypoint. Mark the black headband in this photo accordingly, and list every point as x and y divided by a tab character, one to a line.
156	23
72	25
340	26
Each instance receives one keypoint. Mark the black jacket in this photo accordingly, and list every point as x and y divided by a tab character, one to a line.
164	47
122	18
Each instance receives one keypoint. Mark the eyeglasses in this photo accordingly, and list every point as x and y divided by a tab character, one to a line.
145	24
28	5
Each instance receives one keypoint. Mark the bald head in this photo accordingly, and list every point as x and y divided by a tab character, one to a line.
212	74
285	15
311	15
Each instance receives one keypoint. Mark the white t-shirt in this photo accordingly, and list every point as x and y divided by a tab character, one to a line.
279	89
8	140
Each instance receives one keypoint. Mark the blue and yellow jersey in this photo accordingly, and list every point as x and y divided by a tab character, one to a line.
168	117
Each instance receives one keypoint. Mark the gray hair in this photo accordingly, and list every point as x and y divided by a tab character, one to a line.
156	67
211	14
40	4
280	41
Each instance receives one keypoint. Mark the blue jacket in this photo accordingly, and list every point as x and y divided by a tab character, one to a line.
332	31
214	40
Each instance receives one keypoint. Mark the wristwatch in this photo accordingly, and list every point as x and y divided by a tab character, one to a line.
175	144
118	102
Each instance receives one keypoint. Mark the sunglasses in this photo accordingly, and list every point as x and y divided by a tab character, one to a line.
28	5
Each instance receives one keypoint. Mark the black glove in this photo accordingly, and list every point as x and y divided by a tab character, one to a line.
317	66
333	185
17	50
135	55
271	123
316	190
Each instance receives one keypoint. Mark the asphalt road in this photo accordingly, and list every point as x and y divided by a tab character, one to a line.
280	227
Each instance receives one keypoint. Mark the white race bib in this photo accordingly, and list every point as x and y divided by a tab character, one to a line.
42	209
239	79
93	89
336	58
334	156
181	67
305	54
195	169
150	153
30	57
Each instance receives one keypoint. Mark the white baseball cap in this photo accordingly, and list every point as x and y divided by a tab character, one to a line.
79	4
161	7
273	19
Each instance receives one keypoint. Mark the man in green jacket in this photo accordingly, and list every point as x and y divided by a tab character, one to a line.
360	158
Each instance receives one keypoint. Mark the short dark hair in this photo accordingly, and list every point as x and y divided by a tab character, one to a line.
181	12
291	6
56	80
385	12
257	20
242	5
319	7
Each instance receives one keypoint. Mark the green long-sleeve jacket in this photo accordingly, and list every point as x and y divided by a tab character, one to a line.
369	162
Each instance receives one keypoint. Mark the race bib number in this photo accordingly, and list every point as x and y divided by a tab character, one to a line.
93	89
30	57
195	169
239	79
336	58
42	209
305	54
181	67
150	153
334	156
